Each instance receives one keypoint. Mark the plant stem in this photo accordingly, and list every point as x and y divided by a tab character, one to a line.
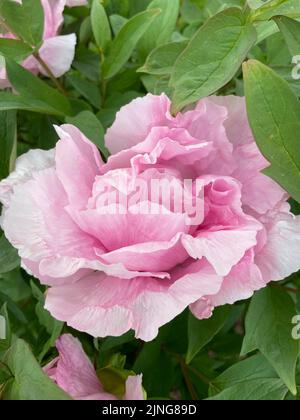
287	289
49	73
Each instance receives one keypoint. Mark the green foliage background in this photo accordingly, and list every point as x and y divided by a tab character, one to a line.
188	49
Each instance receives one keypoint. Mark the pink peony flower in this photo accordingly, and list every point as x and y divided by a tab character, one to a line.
112	271
73	372
57	51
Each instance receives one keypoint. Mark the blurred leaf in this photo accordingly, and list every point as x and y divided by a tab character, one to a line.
200	333
28	382
117	22
34	90
161	60
8	139
86	88
14	285
100	25
25	20
123	45
268	328
9	258
15	49
274	115
212	57
87	62
45	318
89	124
290	30
162	27
289	8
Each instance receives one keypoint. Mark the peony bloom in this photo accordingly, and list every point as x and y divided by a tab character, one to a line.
111	272
57	51
73	372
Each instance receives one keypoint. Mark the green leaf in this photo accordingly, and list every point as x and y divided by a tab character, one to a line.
45	318
268	328
91	127
14	285
117	22
212	57
86	88
9	258
9	102
274	115
100	25
29	382
161	60
123	45
200	333
162	27
35	91
8	140
253	369
257	390
290	30
26	20
15	49
289	8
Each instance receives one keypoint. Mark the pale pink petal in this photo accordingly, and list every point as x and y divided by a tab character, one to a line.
77	173
134	389
281	255
151	256
223	249
73	371
76	3
37	224
102	306
134	121
53	11
58	53
26	165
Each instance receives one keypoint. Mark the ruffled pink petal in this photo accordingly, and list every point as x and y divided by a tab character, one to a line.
151	256
26	165
37	224
77	173
135	120
223	249
104	306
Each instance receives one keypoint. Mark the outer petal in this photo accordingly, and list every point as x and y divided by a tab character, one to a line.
58	53
77	173
223	249
75	3
37	224
134	121
26	165
53	11
103	306
281	255
73	371
134	389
